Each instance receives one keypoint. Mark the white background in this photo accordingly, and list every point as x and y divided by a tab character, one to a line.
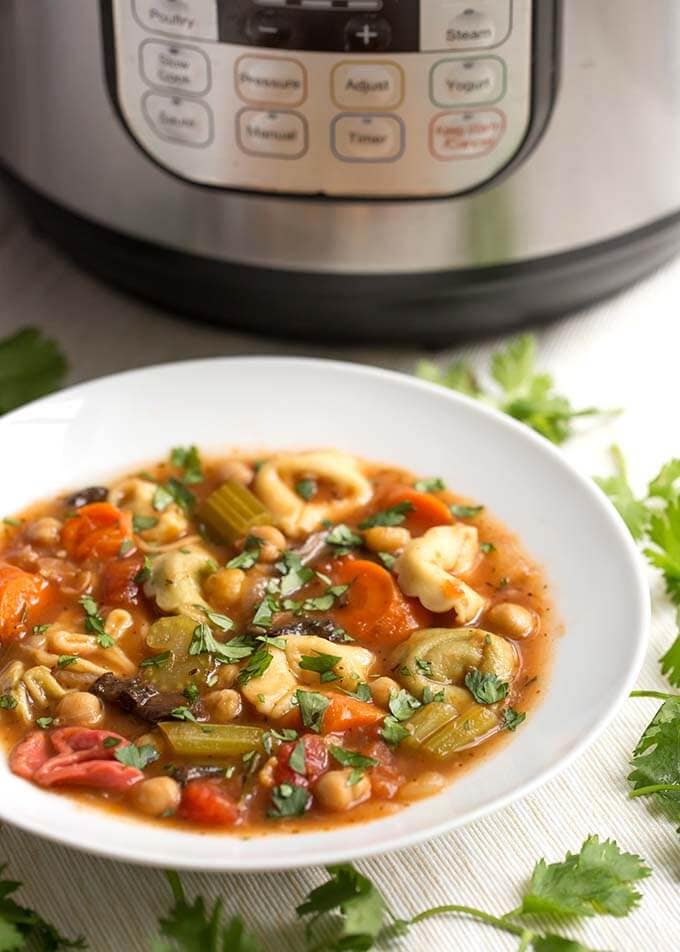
623	353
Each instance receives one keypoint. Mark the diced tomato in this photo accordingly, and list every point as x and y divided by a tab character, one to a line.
204	802
385	781
96	531
30	754
316	762
117	581
427	511
20	593
100	774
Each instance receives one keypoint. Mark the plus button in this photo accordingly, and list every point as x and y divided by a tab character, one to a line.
367	34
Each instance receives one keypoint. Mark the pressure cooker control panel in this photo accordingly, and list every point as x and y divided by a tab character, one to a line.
349	98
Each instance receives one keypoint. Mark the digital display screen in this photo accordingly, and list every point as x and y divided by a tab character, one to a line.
335	5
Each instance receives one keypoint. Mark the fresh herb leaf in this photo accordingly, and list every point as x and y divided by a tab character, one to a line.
599	880
512	718
257	665
402	704
487	547
288	800
394	516
322	664
392	732
40	629
65	660
361	906
223	622
265	611
188	460
670	661
127	545
22	928
94	623
424	666
485	688
297	760
352	758
343	539
465	512
457	376
109	742
656	760
294	573
284	734
429	485
31	365
173	491
182	713
145	571
306	489
251	553
430	697
142	523
362	692
8	702
133	756
191	693
387	559
204	642
162	498
633	511
44	722
664	534
666	484
10	521
312	709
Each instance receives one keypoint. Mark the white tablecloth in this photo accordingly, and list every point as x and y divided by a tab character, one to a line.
622	353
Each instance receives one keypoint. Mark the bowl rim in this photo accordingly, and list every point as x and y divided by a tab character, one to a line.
330	855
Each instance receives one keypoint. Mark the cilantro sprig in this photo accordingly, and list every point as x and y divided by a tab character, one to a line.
519	390
31	365
94	623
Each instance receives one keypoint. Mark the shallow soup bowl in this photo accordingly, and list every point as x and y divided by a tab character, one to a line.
98	430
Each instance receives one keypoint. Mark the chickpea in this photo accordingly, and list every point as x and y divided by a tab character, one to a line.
152	739
274	542
266	774
81	708
226	674
427	785
511	620
334	792
223	705
237	470
381	689
223	588
45	531
157	796
386	538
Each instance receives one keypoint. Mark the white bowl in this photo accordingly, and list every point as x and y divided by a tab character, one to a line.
96	430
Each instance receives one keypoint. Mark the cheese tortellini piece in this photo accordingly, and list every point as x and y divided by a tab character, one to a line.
276	478
176	580
430	565
439	659
137	495
353	667
272	693
33	689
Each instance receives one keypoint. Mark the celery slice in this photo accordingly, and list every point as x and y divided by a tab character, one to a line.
211	740
232	510
474	723
426	721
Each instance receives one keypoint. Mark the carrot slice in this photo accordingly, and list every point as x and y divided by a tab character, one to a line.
96	531
428	510
375	609
345	712
20	592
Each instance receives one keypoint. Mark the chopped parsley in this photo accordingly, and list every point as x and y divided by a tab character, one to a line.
156	661
8	702
249	556
362	692
487	547
294	573
204	642
109	742
394	516
306	489
352	758
343	540
282	734
393	732
312	709
424	666
173	491
133	756
486	688
288	800
40	629
191	693
465	512
223	622
322	664
512	718
321	603
434	485
402	704
265	611
430	697
145	571
11	521
387	559
188	461
257	665
142	523
182	713
94	623
65	660
297	761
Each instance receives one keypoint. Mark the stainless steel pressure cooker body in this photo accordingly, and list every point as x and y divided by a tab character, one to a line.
386	169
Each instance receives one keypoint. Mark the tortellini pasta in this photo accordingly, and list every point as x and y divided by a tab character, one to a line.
137	495
176	580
